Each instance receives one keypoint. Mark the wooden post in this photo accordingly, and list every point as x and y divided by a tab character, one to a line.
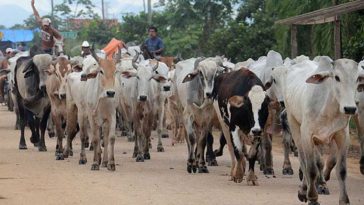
337	34
149	12
293	41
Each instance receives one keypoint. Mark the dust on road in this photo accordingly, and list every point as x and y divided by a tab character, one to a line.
32	177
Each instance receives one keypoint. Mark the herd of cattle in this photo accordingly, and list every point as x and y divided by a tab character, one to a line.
309	101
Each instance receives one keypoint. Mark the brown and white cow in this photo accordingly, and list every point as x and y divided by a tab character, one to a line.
56	90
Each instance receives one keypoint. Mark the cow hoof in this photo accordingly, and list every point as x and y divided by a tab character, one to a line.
95	167
295	153
104	164
302	196
165	136
189	168
91	148
287	171
268	171
34	140
23	146
212	163
82	161
51	134
59	156
237	179
252	179
160	149
42	148
131	139
218	153
111	167
135	155
139	158
71	153
146	156
322	189
344	202
87	144
300	174
150	145
194	168
203	169
313	203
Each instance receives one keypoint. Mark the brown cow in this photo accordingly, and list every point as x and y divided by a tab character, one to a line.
56	90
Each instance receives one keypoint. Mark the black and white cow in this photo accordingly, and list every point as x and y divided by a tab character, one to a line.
242	108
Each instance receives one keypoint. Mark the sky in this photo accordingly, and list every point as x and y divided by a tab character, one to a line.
15	11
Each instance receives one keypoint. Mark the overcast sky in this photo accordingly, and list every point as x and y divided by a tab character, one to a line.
15	11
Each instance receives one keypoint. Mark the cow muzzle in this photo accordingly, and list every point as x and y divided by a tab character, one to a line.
83	77
350	110
143	98
166	88
110	94
208	95
256	131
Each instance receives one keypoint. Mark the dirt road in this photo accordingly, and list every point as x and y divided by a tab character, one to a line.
31	177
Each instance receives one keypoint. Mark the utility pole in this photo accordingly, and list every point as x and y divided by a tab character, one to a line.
52	10
150	12
144	6
102	10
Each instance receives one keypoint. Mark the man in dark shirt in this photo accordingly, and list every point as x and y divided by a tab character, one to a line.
154	43
48	33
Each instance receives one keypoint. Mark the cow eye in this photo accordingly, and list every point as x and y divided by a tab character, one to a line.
102	72
337	78
274	80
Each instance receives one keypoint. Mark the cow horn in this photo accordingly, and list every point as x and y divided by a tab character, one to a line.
118	55
198	62
156	66
135	59
93	53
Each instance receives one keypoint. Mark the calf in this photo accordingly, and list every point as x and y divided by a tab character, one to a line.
242	108
145	102
56	90
101	110
194	80
319	99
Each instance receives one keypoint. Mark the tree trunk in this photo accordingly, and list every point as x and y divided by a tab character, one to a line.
150	12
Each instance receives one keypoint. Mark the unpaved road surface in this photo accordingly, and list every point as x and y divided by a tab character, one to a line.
32	177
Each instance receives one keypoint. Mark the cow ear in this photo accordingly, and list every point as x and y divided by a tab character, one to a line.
190	77
159	78
318	78
128	74
51	70
92	75
236	101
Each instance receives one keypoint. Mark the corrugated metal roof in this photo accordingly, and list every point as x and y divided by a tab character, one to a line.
18	35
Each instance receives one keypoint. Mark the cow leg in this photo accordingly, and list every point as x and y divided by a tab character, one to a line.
50	127
340	139
96	144
60	134
222	141
191	141
311	172
22	121
330	161
33	124
287	167
160	147
321	183
72	114
201	144
111	160
106	132
237	143
139	145
146	146
360	127
210	154
268	159
43	126
252	157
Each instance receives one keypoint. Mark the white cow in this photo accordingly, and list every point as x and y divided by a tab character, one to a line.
319	99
